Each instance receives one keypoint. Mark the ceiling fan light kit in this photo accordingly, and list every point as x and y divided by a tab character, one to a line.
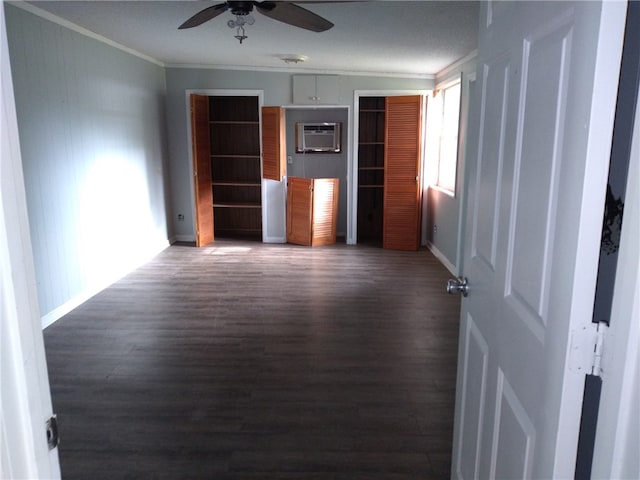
285	12
239	23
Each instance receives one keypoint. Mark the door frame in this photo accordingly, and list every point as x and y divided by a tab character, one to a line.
613	455
352	167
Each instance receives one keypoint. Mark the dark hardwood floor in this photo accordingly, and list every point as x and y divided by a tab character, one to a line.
250	361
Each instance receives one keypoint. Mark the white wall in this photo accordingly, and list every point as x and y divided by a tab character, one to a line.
278	90
92	133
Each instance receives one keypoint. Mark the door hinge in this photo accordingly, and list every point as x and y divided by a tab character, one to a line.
596	367
52	432
585	354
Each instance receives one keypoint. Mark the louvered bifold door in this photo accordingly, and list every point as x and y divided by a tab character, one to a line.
273	143
325	211
299	210
402	180
200	142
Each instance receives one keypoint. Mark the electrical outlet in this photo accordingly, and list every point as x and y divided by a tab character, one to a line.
290	160
180	217
435	229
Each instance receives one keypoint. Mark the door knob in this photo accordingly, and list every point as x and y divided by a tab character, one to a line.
458	285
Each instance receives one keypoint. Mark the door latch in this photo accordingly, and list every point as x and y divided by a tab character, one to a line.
458	285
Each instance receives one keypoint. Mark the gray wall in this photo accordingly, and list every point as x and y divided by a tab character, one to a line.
91	123
443	211
278	90
321	165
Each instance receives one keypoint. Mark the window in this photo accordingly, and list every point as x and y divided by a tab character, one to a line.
448	151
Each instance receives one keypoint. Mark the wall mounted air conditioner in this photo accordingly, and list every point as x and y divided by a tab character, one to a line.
318	137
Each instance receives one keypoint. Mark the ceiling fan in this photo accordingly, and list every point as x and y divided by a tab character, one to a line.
286	12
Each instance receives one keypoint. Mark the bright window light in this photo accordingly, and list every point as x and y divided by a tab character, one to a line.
448	156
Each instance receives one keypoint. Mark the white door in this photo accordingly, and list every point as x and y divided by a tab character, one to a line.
25	401
543	115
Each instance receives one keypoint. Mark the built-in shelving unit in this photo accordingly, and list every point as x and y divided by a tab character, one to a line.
371	168
235	166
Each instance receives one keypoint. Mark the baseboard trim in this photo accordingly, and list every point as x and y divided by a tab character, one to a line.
443	259
182	238
57	313
274	240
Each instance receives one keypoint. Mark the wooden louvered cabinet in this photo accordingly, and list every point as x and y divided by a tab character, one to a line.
312	210
402	173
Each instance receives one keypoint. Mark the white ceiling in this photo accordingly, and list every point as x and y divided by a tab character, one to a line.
415	38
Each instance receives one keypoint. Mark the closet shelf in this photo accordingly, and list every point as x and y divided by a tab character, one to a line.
236	184
233	122
237	205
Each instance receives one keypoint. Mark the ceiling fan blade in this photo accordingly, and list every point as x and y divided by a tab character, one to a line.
294	15
204	15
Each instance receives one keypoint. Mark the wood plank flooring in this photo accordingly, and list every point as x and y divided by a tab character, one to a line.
250	361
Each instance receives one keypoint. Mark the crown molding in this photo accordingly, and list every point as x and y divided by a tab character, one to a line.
309	71
456	65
